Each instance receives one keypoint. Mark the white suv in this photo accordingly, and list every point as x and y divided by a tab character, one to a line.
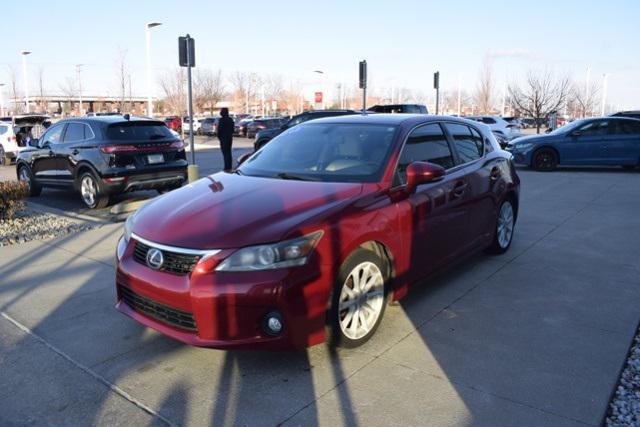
499	126
15	135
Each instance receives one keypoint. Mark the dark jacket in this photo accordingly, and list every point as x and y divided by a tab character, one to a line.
225	129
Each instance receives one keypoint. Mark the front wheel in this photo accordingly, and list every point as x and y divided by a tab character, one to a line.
90	192
358	300
505	224
25	175
544	159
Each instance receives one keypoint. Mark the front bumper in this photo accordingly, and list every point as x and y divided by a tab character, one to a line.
228	309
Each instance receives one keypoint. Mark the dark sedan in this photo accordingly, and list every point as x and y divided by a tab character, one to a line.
603	141
261	124
101	156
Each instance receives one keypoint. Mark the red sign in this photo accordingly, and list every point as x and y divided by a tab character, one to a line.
318	97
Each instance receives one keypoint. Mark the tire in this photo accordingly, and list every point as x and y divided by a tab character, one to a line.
505	225
544	159
343	332
25	175
91	191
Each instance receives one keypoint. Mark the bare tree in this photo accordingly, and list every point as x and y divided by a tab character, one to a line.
69	88
208	89
584	99
13	82
541	94
484	91
123	74
173	85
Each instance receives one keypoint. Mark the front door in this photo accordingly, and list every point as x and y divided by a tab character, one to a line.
436	213
44	166
586	145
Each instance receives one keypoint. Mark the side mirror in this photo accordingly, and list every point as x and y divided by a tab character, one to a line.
33	142
422	173
243	158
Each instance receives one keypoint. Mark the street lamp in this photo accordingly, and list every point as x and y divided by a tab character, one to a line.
79	70
1	100
24	78
320	72
147	31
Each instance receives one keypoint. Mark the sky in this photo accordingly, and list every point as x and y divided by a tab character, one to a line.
403	41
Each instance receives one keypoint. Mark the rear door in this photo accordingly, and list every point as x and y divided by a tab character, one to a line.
437	211
624	141
72	146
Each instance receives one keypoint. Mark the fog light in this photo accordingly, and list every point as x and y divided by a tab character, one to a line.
273	323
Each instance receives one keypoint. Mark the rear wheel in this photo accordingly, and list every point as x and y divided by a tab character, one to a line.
544	159
505	224
358	300
91	193
25	175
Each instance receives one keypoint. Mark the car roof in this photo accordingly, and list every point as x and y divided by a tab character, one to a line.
108	119
387	119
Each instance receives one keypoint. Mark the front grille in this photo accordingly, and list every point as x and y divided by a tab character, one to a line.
174	263
171	316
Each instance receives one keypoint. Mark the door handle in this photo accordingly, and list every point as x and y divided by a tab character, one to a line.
75	152
495	174
459	189
50	152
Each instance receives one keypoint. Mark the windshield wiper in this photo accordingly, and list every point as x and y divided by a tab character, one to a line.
284	175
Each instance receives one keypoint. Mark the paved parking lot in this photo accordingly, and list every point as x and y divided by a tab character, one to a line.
208	158
533	337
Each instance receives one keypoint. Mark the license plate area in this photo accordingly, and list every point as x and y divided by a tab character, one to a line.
154	159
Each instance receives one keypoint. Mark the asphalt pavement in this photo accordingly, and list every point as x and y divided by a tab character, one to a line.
534	337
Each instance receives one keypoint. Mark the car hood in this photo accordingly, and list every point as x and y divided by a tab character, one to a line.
231	211
529	139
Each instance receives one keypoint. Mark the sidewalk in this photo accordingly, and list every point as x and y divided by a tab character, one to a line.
534	337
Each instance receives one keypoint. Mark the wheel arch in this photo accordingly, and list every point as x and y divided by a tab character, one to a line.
81	168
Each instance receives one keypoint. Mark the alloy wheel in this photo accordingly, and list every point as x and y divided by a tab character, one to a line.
505	225
361	300
88	190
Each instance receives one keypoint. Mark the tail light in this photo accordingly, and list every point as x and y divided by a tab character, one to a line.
111	149
177	144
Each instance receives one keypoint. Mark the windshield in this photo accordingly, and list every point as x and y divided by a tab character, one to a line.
568	127
325	152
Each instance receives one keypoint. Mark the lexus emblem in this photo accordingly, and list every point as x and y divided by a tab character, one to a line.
155	259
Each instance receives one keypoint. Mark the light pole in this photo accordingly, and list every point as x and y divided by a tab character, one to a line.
320	72
24	78
1	100
605	77
147	30
79	70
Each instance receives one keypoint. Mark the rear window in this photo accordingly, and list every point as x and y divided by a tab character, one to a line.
3	129
132	131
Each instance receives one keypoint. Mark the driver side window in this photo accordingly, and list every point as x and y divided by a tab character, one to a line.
53	136
425	144
597	128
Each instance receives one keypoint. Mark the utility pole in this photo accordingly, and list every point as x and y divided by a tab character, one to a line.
436	86
25	80
363	84
79	71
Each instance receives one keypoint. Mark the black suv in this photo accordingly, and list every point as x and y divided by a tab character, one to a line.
101	156
267	135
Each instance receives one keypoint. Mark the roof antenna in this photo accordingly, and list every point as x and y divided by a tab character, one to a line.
126	116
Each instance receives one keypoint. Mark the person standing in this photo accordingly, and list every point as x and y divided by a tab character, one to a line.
225	136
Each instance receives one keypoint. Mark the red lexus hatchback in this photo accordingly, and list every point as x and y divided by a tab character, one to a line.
313	234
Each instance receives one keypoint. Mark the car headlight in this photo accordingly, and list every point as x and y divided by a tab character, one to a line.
128	227
269	257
